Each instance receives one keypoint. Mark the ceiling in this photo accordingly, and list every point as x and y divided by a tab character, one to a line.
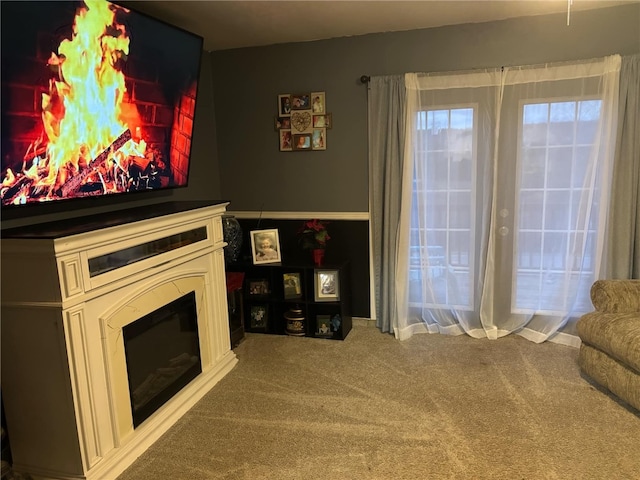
227	24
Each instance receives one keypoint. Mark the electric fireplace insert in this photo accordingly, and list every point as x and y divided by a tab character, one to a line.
162	355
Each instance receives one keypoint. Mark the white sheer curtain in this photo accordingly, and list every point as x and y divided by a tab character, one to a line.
505	193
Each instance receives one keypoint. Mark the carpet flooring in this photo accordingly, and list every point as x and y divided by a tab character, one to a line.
371	407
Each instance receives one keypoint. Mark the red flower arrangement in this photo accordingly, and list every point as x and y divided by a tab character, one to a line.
313	234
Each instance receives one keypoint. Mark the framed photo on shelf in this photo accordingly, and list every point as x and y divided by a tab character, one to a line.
258	287
259	317
317	102
302	141
323	326
326	288
292	285
284	104
322	121
265	246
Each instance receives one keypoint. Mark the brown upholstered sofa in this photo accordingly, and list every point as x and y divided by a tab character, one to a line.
610	350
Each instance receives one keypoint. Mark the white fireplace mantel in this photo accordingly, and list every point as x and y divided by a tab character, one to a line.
67	291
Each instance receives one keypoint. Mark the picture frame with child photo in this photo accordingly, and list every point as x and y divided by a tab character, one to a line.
265	246
302	142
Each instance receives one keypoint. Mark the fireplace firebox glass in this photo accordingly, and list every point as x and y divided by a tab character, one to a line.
162	354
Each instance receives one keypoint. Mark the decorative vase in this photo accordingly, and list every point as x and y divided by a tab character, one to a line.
232	234
318	256
294	321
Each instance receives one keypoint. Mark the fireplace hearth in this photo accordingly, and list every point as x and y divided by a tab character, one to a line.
96	365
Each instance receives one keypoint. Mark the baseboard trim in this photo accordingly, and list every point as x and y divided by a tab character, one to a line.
363	322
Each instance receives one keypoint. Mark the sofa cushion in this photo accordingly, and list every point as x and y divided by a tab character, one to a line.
616	296
615	334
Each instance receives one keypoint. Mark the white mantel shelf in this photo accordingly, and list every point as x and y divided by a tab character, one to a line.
64	379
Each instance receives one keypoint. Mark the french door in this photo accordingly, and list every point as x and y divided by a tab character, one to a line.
509	198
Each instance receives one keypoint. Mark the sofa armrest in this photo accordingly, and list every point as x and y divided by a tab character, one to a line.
616	296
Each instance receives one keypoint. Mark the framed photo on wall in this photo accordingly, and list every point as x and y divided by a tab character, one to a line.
326	288
286	141
322	121
284	104
317	102
318	139
302	141
300	101
282	122
265	246
302	122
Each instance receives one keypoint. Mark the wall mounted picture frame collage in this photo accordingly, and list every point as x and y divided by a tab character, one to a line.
302	122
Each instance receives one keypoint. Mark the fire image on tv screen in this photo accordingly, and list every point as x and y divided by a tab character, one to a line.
97	99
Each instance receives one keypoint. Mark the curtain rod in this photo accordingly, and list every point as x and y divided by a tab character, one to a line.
365	79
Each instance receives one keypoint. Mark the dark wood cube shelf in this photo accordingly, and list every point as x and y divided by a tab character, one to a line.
272	291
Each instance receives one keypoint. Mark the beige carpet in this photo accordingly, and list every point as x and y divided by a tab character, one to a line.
370	407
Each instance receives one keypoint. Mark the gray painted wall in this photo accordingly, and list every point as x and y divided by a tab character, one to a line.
256	175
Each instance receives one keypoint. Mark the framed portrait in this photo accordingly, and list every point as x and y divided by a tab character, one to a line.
259	317
300	101
292	285
265	246
318	139
286	141
317	102
322	121
282	122
259	287
302	141
323	326
326	288
284	104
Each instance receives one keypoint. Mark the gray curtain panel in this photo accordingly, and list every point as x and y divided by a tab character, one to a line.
623	248
386	104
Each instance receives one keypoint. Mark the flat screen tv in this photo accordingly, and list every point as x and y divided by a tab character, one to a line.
97	100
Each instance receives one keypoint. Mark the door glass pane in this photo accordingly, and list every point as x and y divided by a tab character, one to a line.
554	157
443	212
533	167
